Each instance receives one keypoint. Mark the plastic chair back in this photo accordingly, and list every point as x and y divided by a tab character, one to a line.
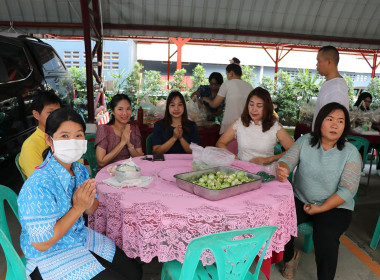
360	142
90	154
18	166
233	256
376	235
15	265
6	194
149	144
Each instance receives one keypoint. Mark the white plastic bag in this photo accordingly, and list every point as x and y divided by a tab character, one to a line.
210	157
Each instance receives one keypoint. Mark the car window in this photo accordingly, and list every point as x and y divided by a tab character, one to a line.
14	65
49	59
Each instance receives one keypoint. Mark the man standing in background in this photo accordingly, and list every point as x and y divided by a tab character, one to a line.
335	88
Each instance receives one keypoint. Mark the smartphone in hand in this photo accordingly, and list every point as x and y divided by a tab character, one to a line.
158	158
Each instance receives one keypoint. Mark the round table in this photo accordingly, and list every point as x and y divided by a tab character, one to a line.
160	220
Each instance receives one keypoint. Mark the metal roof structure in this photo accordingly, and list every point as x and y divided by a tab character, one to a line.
285	25
342	23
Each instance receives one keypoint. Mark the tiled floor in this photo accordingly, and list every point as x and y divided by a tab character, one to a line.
349	266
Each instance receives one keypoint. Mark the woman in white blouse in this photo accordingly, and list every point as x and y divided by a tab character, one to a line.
257	130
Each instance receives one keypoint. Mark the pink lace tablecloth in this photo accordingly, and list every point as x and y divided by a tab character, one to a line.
160	219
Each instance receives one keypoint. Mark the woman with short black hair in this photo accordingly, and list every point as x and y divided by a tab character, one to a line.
325	183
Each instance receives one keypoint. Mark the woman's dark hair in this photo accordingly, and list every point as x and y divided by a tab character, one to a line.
268	118
217	76
316	135
167	120
114	101
362	97
56	118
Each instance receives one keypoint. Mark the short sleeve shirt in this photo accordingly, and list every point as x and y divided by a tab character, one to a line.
205	91
334	90
235	92
46	197
160	136
31	152
108	140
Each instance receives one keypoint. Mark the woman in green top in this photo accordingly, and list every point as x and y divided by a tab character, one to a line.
326	180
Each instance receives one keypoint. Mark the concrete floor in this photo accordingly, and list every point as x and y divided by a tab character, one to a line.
349	266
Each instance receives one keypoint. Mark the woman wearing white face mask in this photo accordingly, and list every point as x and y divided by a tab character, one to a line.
56	243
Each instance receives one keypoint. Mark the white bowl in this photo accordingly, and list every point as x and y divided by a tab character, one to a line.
125	172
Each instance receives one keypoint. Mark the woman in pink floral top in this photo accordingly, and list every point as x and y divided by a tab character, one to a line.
118	139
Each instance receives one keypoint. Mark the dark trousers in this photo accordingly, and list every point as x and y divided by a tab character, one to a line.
121	268
327	229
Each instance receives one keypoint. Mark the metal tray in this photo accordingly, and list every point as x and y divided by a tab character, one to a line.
183	182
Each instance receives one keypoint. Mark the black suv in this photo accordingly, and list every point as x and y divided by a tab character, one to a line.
26	64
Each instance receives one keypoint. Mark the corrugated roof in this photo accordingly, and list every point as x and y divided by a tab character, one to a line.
342	23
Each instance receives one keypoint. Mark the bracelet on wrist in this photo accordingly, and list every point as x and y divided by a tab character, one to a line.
131	147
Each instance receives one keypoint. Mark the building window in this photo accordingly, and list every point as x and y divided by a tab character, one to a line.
76	52
67	52
75	56
107	68
67	56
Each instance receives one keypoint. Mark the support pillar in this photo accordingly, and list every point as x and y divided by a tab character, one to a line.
277	60
179	42
374	65
92	22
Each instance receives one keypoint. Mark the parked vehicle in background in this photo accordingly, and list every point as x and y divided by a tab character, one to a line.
26	65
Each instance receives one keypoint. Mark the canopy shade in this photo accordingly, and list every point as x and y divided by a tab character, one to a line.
342	23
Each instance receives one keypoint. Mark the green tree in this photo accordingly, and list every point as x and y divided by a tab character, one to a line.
152	82
178	82
248	74
268	84
305	85
286	100
119	81
351	86
78	75
374	89
199	77
133	80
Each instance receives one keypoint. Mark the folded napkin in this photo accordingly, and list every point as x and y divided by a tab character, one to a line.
265	176
140	182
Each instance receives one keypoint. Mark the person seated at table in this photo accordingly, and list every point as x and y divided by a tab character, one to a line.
325	183
364	101
118	139
174	133
210	91
54	238
257	131
43	104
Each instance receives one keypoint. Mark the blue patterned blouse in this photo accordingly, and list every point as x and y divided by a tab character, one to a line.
44	198
205	91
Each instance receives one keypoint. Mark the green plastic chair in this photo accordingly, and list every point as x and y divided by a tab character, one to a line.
18	166
360	142
6	194
376	235
149	144
15	264
233	256
90	154
307	230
